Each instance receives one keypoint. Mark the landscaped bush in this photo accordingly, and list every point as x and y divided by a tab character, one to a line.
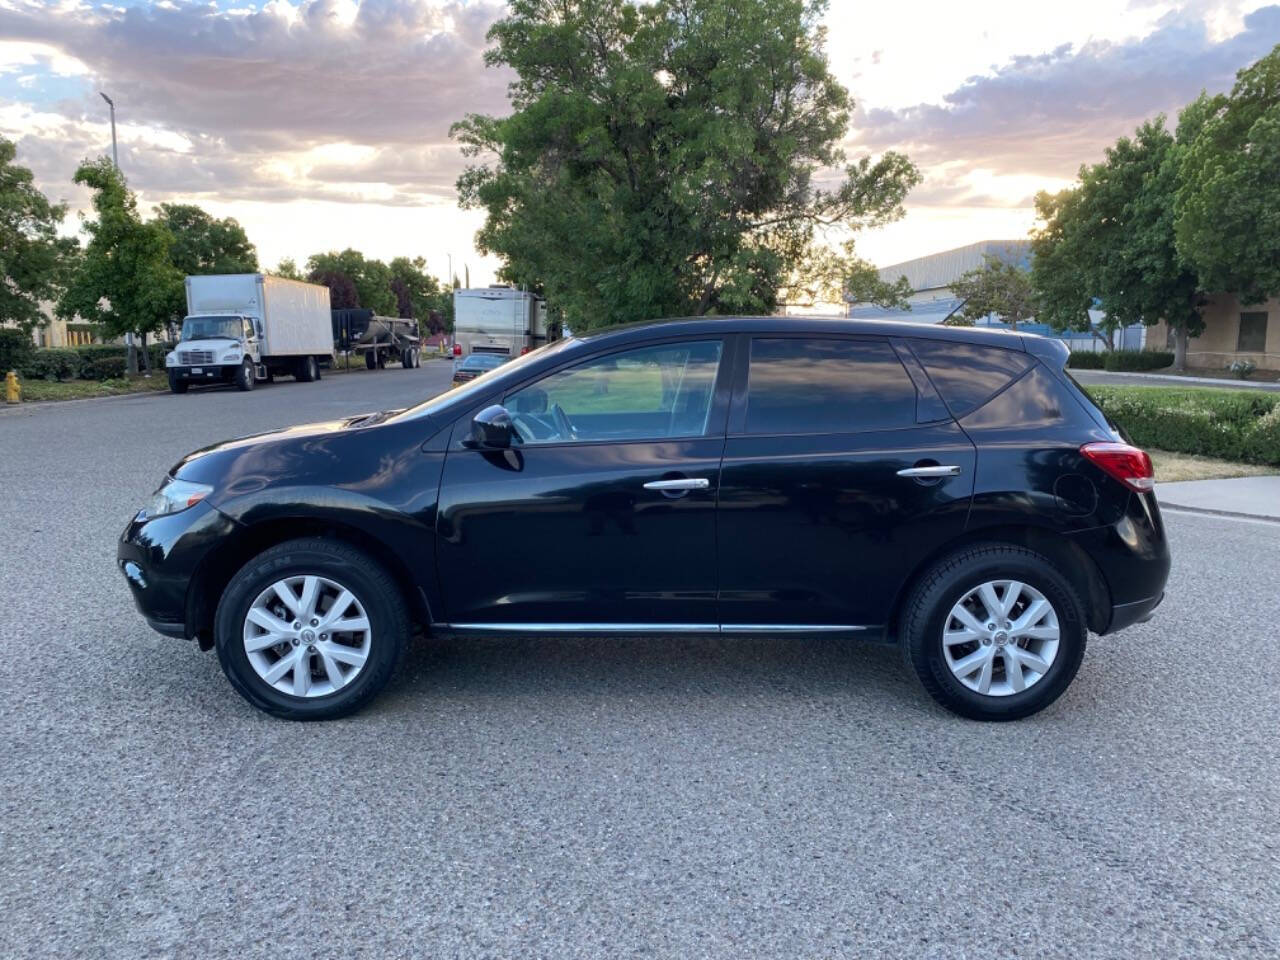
16	349
1137	359
1230	424
103	368
1085	360
53	363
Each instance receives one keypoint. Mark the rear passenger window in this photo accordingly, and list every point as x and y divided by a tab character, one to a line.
827	386
968	374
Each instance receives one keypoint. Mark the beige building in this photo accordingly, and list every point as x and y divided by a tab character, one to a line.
1232	331
59	333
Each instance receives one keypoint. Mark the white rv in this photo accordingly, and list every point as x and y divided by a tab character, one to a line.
244	327
498	320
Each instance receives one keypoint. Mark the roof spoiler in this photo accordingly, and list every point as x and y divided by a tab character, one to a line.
1049	349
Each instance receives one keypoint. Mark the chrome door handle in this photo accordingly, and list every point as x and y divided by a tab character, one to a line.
684	483
949	470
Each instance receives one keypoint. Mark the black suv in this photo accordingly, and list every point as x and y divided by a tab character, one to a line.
947	489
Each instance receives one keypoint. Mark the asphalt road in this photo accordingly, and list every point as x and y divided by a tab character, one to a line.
675	798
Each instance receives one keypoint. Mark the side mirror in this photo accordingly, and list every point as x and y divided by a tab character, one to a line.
492	429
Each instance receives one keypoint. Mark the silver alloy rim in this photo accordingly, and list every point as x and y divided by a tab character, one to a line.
1001	638
307	636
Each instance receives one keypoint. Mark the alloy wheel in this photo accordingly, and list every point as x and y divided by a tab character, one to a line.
307	636
1001	638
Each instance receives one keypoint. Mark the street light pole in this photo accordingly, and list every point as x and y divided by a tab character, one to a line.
115	157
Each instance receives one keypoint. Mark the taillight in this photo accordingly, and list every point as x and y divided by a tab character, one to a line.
1127	464
524	351
457	349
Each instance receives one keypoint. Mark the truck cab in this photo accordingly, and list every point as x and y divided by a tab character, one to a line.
217	348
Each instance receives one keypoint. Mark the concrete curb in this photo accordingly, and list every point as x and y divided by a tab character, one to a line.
1191	381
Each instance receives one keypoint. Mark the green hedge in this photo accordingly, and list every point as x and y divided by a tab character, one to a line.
1230	424
53	363
16	350
97	361
1137	360
103	368
1086	359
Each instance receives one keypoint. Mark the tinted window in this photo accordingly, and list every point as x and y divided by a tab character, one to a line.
1034	401
1253	333
650	393
968	374
827	386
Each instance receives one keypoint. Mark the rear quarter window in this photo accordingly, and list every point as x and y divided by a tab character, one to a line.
967	375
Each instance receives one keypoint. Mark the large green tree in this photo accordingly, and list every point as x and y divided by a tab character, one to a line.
419	295
1228	202
125	280
371	278
1000	287
204	244
1062	265
663	158
32	255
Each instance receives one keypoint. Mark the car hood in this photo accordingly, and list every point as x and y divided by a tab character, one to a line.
273	449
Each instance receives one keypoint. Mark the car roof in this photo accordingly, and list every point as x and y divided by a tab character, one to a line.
720	326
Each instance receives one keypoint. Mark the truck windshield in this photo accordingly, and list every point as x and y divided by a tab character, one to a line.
212	328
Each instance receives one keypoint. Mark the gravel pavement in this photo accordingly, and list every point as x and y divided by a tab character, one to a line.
605	798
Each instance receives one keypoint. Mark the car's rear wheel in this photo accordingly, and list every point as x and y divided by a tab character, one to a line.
994	632
310	630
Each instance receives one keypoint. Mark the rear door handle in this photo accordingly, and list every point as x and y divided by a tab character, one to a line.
683	483
938	470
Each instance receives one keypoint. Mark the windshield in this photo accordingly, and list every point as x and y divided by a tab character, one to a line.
212	328
481	384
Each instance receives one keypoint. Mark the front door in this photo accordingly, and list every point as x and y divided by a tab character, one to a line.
603	517
819	525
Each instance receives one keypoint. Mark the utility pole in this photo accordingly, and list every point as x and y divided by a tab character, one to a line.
131	364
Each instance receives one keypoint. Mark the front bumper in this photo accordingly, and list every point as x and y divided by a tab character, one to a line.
159	558
206	374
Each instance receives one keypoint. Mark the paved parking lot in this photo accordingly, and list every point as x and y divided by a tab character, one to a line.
587	798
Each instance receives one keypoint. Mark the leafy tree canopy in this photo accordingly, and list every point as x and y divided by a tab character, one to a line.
125	280
202	244
420	295
661	158
1228	203
288	268
371	278
33	257
999	287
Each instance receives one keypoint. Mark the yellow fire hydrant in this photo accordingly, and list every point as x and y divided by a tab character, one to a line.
12	388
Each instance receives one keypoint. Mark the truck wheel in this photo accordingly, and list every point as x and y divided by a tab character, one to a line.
177	384
307	370
244	378
370	361
407	359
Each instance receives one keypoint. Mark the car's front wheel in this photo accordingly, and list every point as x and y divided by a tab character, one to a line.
994	632
310	629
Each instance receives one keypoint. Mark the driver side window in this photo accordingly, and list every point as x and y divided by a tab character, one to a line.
649	393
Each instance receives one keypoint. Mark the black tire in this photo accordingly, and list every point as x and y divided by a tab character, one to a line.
370	361
408	359
244	376
316	369
928	608
363	576
177	384
308	370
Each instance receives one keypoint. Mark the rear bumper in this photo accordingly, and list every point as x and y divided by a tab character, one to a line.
1139	611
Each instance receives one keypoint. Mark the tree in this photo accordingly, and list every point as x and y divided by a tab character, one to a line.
660	158
1061	265
125	280
829	276
203	244
372	278
1227	205
342	289
34	258
999	287
288	268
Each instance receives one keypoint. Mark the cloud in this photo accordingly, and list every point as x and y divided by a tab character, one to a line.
1045	115
256	90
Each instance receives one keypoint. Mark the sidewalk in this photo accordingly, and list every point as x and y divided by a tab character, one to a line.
1102	378
1241	496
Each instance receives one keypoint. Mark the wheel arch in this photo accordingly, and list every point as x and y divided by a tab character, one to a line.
215	571
1065	554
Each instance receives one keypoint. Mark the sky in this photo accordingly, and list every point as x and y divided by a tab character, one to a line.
322	124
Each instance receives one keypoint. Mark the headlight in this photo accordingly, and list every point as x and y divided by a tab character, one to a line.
232	354
174	496
170	359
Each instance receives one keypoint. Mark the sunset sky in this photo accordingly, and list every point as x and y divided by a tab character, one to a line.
324	124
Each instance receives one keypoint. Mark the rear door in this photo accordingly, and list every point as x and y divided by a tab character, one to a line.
842	470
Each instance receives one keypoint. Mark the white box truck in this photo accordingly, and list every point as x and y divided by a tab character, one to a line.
245	327
498	320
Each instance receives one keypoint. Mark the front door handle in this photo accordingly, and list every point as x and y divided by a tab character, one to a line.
683	483
936	470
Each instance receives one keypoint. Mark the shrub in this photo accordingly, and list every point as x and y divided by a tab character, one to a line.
1230	424
53	363
16	350
1242	368
103	368
1137	359
1085	360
